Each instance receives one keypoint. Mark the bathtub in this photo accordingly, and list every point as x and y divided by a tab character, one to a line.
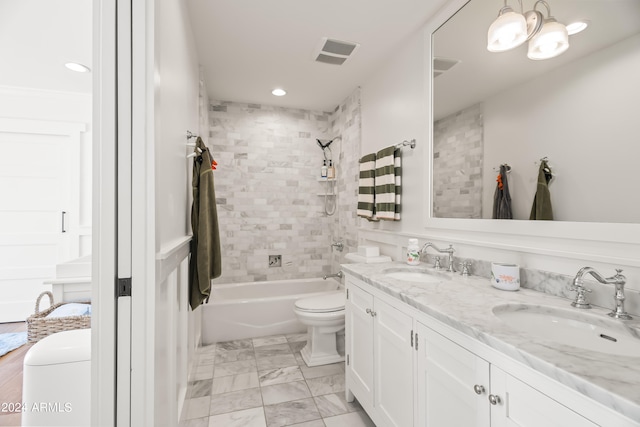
257	309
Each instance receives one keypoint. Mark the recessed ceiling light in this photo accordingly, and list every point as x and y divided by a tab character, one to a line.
279	92
74	66
576	27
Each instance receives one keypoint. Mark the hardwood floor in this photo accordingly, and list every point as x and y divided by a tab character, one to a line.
11	375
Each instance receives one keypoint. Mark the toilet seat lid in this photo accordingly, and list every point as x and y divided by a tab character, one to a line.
333	301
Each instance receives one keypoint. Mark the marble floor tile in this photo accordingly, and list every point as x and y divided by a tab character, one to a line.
326	385
280	375
297	337
207	349
272	350
314	423
247	418
234	383
299	359
234	345
286	392
234	368
330	405
353	419
287	413
265	382
199	388
234	355
235	401
275	339
197	407
297	345
322	370
203	372
197	422
206	359
279	361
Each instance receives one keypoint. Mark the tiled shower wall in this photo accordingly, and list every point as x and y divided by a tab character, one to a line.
346	123
457	164
268	188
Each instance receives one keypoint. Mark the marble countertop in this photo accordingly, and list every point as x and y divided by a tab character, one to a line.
466	303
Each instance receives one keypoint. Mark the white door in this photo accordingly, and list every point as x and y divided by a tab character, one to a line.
517	404
393	357
359	336
453	383
39	208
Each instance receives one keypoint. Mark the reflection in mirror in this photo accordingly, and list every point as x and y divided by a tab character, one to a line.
580	110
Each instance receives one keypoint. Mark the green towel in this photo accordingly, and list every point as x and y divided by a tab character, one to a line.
205	262
541	208
388	184
366	187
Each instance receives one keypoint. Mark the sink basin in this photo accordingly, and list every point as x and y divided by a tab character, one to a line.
411	275
572	328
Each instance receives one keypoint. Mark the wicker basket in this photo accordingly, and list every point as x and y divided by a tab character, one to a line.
40	326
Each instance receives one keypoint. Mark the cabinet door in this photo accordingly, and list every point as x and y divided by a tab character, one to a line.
523	406
393	358
453	383
359	343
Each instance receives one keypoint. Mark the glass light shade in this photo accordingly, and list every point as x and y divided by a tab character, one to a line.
551	41
576	27
508	31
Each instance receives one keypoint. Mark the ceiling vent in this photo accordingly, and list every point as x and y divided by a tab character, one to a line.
334	52
440	65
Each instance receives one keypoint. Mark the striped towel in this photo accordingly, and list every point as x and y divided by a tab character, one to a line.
388	184
366	190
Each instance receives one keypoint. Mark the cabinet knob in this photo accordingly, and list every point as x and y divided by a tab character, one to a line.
373	313
368	310
478	389
494	399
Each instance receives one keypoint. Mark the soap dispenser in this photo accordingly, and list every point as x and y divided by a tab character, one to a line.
413	252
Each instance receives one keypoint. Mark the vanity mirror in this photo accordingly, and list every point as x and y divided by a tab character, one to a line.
580	110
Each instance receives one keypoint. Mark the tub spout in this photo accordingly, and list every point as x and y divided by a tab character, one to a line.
338	275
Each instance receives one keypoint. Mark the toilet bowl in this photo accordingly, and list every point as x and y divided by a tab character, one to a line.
324	317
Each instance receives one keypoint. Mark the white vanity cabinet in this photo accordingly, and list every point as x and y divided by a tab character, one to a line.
380	357
458	388
407	369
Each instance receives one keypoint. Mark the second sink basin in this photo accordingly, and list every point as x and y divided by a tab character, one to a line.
411	275
571	328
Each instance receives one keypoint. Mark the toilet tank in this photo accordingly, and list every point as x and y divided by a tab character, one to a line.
56	387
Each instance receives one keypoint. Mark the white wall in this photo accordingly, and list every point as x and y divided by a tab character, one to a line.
395	105
176	111
394	108
37	104
554	116
166	103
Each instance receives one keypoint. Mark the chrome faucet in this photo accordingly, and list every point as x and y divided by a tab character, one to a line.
448	251
338	275
618	281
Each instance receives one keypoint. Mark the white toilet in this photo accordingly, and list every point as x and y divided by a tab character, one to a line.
324	317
